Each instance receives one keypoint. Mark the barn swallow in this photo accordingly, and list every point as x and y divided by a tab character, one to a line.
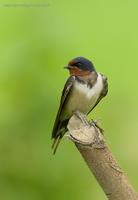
82	92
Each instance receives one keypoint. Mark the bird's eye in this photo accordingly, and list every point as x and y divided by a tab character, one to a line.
79	64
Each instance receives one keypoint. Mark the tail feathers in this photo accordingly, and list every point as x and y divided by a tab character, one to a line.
56	143
58	133
57	139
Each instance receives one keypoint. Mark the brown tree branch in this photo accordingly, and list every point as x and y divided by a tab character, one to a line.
91	143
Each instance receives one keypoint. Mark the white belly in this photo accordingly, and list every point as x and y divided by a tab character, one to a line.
83	98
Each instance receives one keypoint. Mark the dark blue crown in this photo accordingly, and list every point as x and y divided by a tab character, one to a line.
82	63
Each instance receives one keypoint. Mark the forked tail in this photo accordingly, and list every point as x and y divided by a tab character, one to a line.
56	143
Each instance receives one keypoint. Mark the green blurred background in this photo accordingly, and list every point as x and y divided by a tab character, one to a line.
35	44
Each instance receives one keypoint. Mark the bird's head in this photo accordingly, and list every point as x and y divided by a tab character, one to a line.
80	66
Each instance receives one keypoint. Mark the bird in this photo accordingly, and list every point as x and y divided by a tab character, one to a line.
83	90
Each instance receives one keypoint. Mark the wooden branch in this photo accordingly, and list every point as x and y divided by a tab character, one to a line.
90	142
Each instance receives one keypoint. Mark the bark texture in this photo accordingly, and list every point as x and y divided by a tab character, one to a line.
90	142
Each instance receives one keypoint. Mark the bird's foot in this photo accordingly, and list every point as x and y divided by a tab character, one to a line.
95	123
82	117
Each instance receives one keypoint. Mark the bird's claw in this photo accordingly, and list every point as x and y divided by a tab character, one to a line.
95	123
82	117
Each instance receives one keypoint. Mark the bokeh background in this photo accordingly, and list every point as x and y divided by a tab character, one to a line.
35	44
